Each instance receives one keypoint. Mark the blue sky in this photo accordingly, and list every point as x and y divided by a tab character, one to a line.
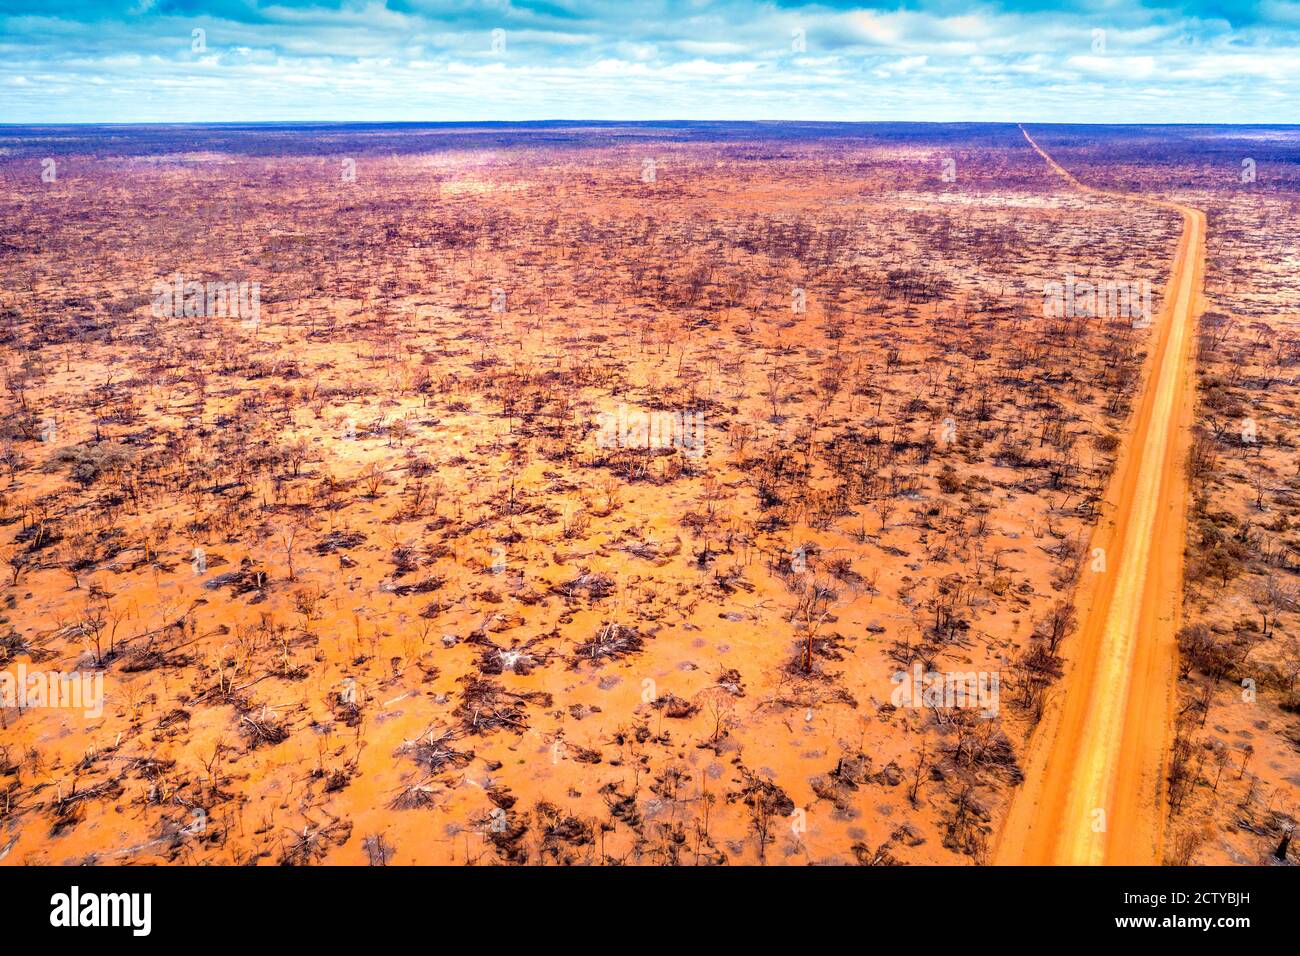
1031	60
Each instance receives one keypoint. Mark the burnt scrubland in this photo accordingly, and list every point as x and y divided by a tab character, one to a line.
576	493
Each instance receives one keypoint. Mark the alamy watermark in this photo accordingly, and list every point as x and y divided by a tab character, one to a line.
1103	298
75	908
961	689
75	690
633	428
178	296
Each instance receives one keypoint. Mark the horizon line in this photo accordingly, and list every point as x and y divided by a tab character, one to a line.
619	122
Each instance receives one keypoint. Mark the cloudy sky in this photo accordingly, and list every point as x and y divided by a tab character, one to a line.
1029	60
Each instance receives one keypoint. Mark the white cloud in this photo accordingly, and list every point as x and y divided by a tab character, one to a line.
689	58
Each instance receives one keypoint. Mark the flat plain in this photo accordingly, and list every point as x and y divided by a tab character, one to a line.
615	493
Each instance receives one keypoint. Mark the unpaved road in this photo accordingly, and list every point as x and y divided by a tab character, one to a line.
1095	772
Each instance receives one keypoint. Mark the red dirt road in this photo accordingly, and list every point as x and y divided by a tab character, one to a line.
1094	791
